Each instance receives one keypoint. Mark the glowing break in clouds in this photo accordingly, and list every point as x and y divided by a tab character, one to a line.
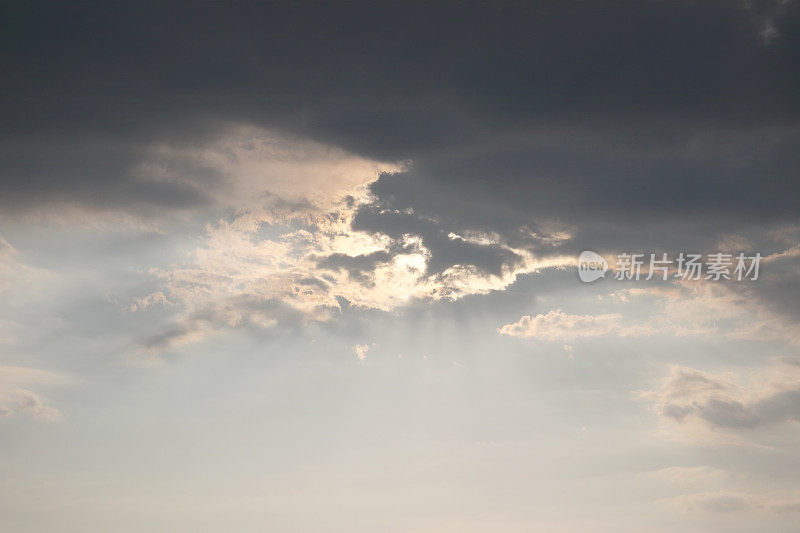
289	252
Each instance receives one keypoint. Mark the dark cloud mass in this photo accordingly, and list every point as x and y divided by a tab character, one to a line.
510	113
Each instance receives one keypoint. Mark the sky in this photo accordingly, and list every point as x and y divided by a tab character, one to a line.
314	267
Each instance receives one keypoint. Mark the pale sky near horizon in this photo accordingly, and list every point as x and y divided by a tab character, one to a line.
311	267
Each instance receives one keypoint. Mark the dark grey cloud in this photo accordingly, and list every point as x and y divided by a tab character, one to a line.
90	171
673	115
385	80
689	393
357	267
783	406
612	195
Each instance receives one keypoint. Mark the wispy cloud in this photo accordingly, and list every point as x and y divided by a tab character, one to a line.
770	396
689	474
16	395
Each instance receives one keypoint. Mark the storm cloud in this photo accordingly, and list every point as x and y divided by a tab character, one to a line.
639	104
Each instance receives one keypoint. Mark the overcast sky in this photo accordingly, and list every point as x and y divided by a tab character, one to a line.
312	267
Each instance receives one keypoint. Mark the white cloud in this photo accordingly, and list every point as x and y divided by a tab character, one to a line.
156	298
361	351
557	325
680	308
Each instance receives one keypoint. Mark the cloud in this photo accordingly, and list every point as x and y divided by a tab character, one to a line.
717	502
376	183
297	254
768	13
732	244
772	397
361	351
16	397
451	170
239	167
304	271
612	196
557	325
752	311
495	132
735	310
248	168
688	474
152	299
724	502
17	278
